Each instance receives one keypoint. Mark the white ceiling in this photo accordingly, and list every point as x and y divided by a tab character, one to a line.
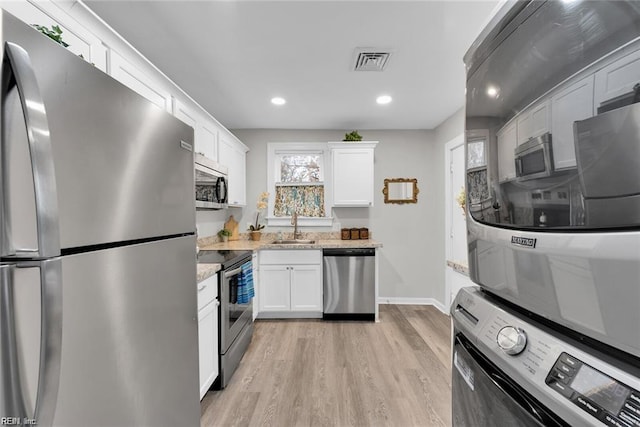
232	57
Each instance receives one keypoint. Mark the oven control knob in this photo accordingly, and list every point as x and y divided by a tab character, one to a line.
512	340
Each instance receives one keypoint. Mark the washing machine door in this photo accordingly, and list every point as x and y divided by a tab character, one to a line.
484	396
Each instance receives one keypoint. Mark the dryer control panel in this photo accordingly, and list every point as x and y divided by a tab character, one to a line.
610	401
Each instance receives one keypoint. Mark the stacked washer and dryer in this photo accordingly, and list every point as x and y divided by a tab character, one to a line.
552	334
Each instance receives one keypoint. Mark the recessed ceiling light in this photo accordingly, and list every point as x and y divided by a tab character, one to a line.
383	99
278	101
492	91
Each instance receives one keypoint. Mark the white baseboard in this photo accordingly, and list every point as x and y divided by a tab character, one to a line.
414	301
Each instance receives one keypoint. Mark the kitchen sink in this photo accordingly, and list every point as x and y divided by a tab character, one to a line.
293	242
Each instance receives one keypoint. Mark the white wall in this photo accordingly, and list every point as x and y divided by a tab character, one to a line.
412	258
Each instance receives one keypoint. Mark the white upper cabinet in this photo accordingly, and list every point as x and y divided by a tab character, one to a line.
353	173
185	114
207	139
127	74
617	78
47	13
233	154
533	122
569	105
205	132
506	152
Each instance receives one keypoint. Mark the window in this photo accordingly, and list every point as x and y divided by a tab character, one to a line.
296	173
477	179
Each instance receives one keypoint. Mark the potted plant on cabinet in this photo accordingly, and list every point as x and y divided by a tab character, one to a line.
352	136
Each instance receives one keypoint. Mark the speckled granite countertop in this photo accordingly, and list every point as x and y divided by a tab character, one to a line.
322	240
250	245
207	270
459	267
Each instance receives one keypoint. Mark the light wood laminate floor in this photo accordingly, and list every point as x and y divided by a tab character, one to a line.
396	372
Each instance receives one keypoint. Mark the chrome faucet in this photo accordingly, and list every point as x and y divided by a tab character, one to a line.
294	222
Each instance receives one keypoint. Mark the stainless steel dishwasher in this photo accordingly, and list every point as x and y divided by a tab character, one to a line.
349	284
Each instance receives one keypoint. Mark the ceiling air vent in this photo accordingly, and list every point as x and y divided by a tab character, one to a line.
371	59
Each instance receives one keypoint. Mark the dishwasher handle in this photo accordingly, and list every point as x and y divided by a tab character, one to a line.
349	252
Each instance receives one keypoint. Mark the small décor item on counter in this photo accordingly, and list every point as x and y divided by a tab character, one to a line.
260	206
364	233
224	234
345	234
232	226
255	235
355	233
352	136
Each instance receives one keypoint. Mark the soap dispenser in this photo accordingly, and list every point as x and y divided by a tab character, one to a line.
543	220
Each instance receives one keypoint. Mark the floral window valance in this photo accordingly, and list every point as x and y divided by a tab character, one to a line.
308	200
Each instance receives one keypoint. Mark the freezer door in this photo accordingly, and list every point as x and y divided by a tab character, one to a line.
128	353
30	338
122	168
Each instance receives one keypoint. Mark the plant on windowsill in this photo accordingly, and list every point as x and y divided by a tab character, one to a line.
260	205
224	234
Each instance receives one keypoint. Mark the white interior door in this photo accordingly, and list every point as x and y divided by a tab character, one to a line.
456	226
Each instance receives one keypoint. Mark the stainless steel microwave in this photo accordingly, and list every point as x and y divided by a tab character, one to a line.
534	158
211	184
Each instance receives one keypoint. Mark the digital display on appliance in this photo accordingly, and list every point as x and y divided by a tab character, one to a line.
602	390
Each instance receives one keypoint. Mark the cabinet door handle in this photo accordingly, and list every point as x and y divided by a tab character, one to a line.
201	288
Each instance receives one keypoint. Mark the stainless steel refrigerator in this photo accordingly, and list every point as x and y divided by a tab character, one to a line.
98	312
608	161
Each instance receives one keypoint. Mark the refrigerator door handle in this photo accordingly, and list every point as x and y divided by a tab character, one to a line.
50	340
50	343
12	399
39	139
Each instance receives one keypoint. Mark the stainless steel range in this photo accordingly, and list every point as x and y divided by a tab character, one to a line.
236	309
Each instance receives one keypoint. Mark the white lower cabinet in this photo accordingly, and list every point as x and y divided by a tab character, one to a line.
306	288
208	307
275	288
290	283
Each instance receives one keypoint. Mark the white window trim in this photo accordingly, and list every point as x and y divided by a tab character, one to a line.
275	148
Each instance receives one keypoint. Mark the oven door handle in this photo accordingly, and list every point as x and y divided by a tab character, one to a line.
232	273
507	387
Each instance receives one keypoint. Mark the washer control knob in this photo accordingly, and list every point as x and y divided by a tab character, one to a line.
512	340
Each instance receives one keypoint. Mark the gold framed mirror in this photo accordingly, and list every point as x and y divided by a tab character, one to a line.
400	190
